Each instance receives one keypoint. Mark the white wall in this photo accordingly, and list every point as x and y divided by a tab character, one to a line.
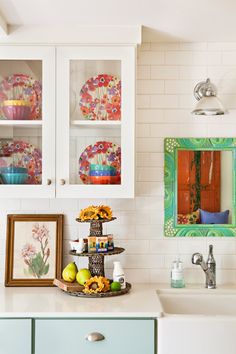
167	73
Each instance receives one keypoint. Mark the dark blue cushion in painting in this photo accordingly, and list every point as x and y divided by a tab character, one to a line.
207	217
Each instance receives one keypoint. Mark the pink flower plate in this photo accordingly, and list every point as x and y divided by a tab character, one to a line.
100	98
22	87
103	153
22	154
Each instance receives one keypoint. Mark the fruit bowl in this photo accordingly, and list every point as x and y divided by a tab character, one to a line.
16	109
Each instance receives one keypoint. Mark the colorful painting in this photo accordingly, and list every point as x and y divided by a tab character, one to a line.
100	98
34	246
172	146
23	87
22	154
101	153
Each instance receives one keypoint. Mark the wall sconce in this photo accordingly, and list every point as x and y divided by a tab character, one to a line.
208	104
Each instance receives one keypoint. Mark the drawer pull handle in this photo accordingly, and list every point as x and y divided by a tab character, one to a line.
62	182
95	337
49	181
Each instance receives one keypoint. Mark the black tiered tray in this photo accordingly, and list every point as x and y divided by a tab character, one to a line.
96	261
107	294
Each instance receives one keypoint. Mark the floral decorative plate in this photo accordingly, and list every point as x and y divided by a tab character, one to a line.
22	154
103	153
100	98
23	87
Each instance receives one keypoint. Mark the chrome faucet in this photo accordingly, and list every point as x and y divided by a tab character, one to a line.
209	267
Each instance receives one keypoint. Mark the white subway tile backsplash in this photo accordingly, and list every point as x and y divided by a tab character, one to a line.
30	204
149	232
179	86
166	76
151	58
164	101
150	116
151	174
149	189
179	58
143	101
192	72
164	72
143	130
196	46
145	87
178	130
229	57
165	246
163	46
143	72
149	145
150	159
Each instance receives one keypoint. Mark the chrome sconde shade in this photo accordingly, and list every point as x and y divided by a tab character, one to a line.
208	104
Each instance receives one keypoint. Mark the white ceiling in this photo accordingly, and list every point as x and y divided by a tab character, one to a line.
189	20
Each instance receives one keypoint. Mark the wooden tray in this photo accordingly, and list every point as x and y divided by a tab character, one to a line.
99	295
66	286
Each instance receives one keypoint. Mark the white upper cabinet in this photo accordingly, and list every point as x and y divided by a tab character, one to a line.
79	100
27	122
95	121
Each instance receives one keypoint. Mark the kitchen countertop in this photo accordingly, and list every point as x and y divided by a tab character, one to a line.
141	302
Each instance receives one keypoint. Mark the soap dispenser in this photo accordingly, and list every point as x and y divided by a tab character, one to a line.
177	274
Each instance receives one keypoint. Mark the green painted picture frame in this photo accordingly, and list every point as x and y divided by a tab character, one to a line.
171	147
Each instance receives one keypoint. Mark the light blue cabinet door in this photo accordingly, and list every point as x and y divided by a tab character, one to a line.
69	336
15	336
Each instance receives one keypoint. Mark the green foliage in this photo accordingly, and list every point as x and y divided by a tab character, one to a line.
38	267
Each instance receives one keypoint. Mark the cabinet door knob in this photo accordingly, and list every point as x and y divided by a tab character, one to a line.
49	181
95	337
62	182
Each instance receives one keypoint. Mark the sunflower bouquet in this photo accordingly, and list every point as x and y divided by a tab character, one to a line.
93	212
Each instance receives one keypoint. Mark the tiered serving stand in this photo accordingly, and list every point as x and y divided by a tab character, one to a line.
96	260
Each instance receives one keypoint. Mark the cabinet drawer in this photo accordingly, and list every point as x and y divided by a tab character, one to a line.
15	336
120	336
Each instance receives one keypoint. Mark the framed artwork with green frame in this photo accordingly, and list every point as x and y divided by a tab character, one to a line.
171	149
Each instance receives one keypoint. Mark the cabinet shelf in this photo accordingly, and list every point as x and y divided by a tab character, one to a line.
97	123
21	123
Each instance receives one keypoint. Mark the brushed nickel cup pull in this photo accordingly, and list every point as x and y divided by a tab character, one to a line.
49	181
95	337
62	182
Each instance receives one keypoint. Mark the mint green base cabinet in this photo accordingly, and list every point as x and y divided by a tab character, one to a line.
62	336
15	336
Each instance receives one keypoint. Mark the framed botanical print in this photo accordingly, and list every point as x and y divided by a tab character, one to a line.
33	249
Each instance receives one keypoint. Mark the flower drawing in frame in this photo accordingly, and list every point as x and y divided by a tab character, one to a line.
34	249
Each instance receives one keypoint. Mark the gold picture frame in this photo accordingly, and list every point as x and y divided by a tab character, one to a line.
33	249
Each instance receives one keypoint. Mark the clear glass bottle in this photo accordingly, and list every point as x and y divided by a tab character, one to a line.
177	274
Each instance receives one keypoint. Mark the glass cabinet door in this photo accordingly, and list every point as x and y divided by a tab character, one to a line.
27	122
95	122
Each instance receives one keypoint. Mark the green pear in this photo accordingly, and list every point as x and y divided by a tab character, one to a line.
69	272
83	275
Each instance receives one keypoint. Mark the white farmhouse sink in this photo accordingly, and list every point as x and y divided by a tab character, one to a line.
197	321
214	303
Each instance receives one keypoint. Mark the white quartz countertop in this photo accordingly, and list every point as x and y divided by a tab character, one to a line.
142	301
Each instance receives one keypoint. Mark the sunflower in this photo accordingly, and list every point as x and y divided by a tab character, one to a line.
89	213
94	285
106	283
105	212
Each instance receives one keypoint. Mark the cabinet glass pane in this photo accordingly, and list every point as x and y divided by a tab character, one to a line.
20	121
95	122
